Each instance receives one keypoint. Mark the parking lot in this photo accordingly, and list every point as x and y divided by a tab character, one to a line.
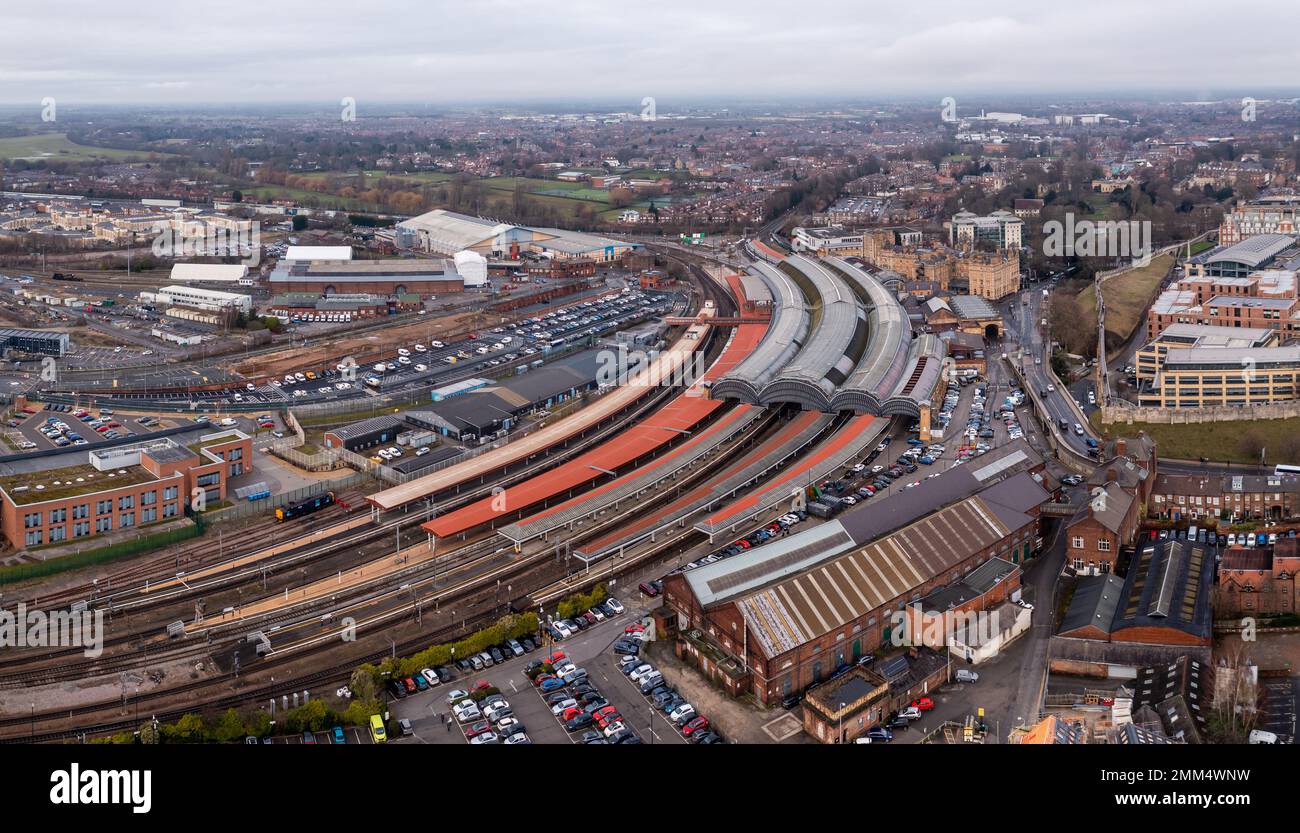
1278	714
84	428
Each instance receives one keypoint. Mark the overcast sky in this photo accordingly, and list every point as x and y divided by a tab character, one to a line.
441	53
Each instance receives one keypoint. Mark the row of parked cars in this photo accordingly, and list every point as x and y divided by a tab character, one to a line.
695	727
564	628
577	703
488	720
748	542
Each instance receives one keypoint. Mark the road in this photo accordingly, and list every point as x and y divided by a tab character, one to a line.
1024	327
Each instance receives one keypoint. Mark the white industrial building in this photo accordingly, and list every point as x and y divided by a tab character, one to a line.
204	299
472	266
234	274
318	253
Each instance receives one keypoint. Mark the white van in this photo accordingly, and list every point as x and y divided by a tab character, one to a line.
965	676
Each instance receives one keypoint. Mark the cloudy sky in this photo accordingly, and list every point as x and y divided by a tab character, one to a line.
484	51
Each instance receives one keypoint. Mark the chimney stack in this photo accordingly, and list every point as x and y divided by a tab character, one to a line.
1112	476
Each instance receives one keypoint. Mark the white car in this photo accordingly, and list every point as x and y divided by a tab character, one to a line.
506	722
457	695
430	677
564	668
641	673
563	629
614	605
682	713
486	737
910	713
614	728
466	711
566	703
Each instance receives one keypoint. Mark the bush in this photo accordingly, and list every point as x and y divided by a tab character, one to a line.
579	602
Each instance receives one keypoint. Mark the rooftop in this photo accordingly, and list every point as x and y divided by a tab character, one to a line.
34	487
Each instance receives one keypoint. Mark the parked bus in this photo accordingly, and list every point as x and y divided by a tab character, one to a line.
1283	468
377	733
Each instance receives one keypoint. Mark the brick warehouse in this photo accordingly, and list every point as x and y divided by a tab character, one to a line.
120	488
1160	611
785	615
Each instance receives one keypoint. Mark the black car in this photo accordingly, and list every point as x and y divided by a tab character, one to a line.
592	705
581	622
557	696
627	647
444	674
464	665
396	689
497	656
529	647
627	737
701	737
791	701
579	721
897	723
592	737
532	669
583	690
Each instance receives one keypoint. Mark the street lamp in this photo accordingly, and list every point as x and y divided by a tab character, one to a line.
840	738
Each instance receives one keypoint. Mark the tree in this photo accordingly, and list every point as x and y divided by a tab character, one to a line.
229	728
299	222
1251	443
237	196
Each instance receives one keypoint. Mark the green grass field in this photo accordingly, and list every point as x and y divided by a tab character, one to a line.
1127	298
1219	441
56	147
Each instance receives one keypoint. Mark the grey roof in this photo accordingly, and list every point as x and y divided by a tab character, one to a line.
366	426
1108	506
1253	251
1236	357
884	363
1094	603
885	514
785	337
831	350
1169	586
971	306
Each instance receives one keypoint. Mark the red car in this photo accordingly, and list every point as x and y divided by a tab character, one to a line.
695	725
556	657
541	678
605	720
635	628
605	711
481	685
925	704
266	425
571	712
743	544
478	729
410	685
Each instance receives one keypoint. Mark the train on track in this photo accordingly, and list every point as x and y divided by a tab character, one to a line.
304	507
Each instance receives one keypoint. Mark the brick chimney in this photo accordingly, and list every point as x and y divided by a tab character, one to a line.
1112	475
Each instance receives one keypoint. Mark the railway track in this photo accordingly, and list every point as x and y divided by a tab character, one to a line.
470	595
